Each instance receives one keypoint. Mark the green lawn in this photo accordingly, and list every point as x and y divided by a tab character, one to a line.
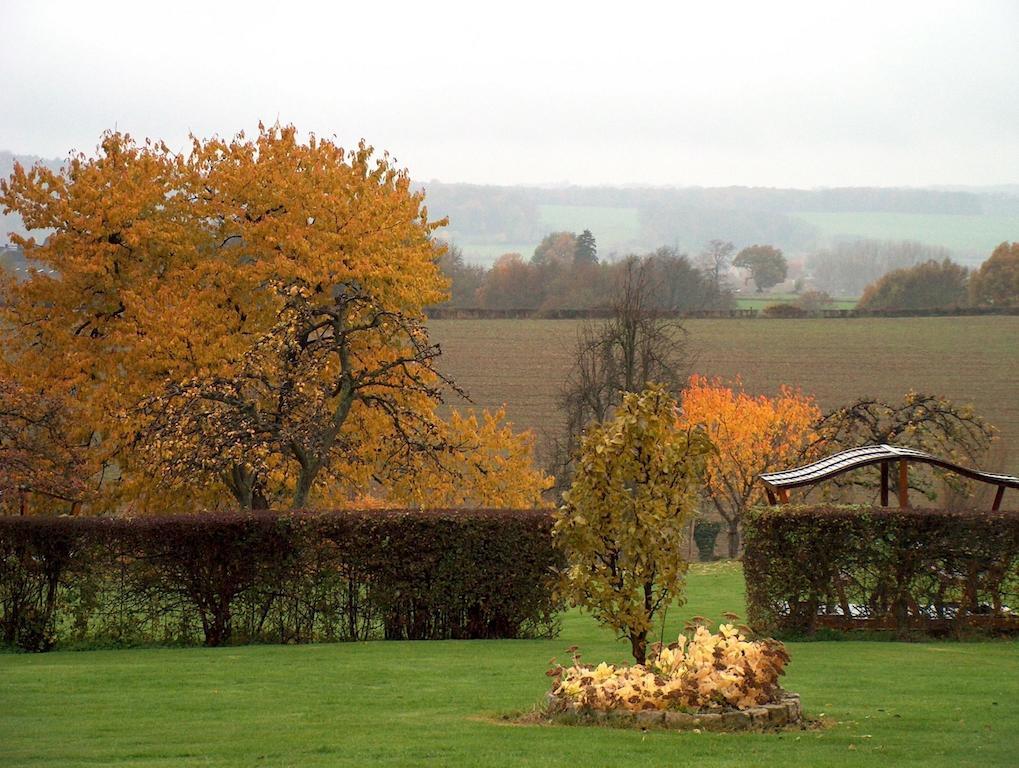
429	703
753	300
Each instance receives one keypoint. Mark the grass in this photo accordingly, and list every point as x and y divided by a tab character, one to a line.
973	235
521	363
760	301
436	703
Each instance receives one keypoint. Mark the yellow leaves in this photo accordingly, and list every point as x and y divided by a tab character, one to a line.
603	672
492	466
708	670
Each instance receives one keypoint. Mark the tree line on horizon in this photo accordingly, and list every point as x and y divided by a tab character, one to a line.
565	272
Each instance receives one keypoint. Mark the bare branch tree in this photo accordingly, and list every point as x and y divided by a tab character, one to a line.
634	347
926	422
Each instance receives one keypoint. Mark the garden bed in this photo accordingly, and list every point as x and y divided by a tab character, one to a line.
784	712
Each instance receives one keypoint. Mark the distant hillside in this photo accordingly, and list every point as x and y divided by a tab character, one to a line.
487	221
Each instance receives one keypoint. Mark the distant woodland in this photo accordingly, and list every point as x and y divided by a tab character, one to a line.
483	218
837	242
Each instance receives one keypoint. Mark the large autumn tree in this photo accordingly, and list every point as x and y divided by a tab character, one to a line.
752	434
243	317
40	465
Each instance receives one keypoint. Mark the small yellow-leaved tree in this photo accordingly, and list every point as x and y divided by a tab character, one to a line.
622	523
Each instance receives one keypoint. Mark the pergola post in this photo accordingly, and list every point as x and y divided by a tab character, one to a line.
884	483
997	498
903	483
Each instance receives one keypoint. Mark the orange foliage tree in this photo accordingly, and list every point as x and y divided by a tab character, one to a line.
238	324
38	462
996	283
752	435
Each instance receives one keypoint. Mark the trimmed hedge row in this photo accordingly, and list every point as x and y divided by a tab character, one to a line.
276	577
876	568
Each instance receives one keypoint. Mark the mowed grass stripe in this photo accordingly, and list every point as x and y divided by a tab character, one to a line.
521	363
437	703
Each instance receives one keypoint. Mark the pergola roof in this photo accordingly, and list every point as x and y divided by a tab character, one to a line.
854	458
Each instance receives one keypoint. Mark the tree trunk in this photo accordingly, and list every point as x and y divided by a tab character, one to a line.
258	500
218	630
638	646
305	480
245	487
733	528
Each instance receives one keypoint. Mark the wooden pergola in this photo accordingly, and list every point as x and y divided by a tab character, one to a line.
777	484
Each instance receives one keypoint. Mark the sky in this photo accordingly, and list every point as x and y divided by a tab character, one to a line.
788	94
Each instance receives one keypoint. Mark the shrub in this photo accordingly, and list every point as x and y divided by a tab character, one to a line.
704	670
705	535
623	522
814	301
929	285
784	310
276	577
33	564
876	568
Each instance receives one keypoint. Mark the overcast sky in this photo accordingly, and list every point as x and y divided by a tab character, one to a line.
765	93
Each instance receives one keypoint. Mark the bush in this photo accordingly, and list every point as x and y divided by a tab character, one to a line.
814	301
276	577
698	672
705	535
875	568
784	310
930	285
622	523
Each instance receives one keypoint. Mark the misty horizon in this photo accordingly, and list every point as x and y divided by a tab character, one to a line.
785	96
565	184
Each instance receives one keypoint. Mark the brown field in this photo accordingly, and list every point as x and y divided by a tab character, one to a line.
520	363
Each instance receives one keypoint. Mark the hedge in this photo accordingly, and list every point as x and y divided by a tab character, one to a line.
276	577
906	571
